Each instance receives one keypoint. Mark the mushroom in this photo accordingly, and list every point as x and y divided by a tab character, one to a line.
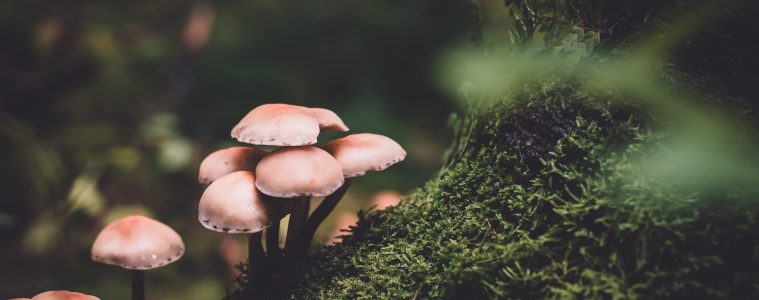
274	125
230	251
343	222
385	199
232	204
229	160
356	154
63	295
298	173
225	161
137	243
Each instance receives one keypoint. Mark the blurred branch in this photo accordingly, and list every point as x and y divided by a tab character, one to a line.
196	33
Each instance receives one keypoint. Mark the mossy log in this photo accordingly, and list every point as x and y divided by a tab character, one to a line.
540	201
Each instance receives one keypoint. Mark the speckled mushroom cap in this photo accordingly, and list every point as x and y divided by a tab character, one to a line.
285	125
63	295
232	204
225	161
298	171
363	152
137	243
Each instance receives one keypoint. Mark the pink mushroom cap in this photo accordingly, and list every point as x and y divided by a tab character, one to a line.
63	295
232	204
363	152
285	125
137	243
298	171
225	161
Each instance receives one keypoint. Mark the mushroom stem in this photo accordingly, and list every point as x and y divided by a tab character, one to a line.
138	284
255	261
321	213
272	240
273	271
295	227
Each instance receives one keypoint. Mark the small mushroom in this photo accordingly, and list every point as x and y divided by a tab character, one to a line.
356	154
230	251
343	222
63	295
299	173
304	171
137	243
285	125
225	161
232	204
363	152
385	199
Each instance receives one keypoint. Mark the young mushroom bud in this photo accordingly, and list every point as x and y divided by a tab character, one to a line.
285	125
137	243
385	199
225	161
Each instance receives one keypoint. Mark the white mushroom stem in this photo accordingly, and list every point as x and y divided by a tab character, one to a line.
295	233
321	213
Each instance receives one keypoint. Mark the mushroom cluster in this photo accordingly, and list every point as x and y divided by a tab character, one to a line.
250	189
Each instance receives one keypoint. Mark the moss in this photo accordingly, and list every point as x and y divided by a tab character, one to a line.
543	197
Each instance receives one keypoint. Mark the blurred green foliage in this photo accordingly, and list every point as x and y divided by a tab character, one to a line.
107	107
